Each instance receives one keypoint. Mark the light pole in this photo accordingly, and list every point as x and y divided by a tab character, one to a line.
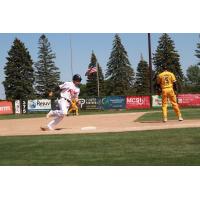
150	68
70	40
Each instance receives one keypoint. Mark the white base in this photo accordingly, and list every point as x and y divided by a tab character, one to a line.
88	128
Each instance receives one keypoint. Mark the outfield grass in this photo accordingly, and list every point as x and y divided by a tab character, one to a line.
192	113
22	116
145	148
93	112
90	112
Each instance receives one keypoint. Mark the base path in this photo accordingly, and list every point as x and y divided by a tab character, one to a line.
89	124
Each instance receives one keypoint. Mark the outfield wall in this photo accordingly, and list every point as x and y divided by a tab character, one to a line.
97	103
6	107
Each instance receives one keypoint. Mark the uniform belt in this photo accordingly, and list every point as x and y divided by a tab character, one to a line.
66	99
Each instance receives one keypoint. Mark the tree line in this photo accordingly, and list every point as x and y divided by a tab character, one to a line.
25	79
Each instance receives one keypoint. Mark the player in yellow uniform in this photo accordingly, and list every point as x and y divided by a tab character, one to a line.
73	107
167	83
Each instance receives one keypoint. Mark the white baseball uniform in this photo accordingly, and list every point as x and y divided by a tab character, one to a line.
68	91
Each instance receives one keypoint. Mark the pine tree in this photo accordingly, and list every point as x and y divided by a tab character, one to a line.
142	83
19	73
83	93
91	84
46	73
119	71
167	55
193	75
198	52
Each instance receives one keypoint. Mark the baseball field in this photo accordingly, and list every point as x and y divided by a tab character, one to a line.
110	139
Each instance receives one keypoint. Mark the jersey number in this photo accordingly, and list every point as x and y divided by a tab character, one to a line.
166	79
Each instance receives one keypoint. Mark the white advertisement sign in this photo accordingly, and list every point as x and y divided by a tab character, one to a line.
82	102
157	101
17	107
39	105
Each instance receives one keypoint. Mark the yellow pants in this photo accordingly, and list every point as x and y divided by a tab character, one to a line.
169	93
74	109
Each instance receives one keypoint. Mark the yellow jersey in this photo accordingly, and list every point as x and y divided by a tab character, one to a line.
166	79
73	104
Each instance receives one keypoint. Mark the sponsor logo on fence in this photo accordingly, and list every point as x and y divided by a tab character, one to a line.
82	102
137	102
17	107
6	107
187	100
39	105
157	101
114	102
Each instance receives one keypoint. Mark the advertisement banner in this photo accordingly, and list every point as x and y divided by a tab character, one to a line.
157	101
189	100
24	106
17	107
6	107
114	102
137	102
93	103
82	103
39	105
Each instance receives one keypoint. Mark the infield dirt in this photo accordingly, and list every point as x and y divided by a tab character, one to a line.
102	123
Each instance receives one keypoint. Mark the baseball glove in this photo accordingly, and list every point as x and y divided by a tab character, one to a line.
50	94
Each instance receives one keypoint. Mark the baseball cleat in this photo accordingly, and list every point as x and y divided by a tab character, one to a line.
46	129
165	120
180	118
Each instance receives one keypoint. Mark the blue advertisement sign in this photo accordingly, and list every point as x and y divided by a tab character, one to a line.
114	102
39	105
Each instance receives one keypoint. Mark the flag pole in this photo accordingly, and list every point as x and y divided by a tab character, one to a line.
97	78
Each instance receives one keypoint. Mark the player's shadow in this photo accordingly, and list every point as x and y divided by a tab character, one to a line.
59	129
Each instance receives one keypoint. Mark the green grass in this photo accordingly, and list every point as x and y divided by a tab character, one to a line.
145	148
90	112
2	117
192	113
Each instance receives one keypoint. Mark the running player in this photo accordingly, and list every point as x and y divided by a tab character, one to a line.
68	91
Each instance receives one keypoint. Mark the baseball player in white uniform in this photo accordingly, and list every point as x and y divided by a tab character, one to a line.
68	91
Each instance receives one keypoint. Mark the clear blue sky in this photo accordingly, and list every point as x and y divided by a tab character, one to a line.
101	44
